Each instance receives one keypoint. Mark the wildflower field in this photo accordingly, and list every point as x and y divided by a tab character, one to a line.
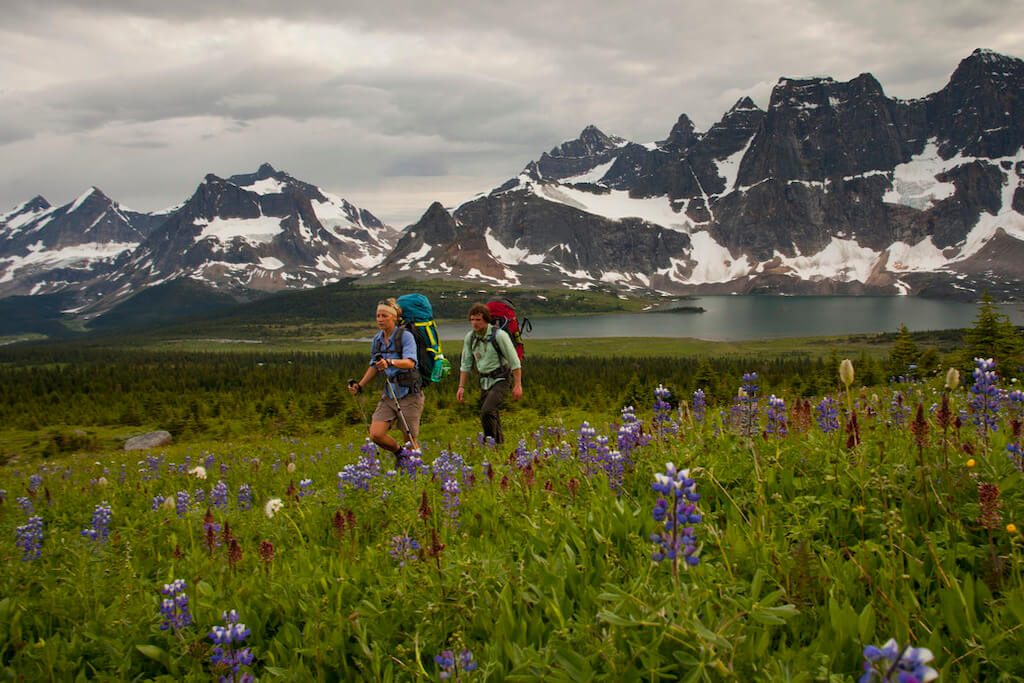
863	534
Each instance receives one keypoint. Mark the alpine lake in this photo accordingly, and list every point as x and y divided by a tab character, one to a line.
736	318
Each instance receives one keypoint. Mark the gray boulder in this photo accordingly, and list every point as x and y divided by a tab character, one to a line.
148	440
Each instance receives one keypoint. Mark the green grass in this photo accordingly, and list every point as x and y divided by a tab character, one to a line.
342	340
810	550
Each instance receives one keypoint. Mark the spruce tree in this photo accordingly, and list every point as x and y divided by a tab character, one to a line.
992	336
903	354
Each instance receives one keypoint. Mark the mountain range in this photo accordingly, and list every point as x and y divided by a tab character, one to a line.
835	188
244	236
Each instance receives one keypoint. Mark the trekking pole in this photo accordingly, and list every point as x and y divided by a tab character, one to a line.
394	398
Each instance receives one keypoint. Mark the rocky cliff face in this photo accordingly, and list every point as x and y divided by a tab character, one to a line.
836	187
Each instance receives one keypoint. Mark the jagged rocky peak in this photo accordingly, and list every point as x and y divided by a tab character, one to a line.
436	222
979	110
823	91
265	171
574	157
732	133
37	203
743	104
983	62
682	136
592	141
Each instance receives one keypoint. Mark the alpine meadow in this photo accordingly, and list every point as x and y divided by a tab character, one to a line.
785	513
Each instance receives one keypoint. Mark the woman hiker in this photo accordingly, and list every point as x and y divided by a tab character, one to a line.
393	354
494	355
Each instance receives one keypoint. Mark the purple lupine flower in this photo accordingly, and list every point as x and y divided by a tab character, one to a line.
775	415
219	495
155	464
523	455
677	538
631	437
227	655
985	396
181	503
450	464
3	496
404	548
100	528
368	448
1015	403
158	502
451	667
891	664
174	607
411	463
209	461
25	503
585	440
358	475
305	487
466	661
34	482
898	410
699	405
744	414
662	421
30	538
244	497
451	490
1015	455
826	413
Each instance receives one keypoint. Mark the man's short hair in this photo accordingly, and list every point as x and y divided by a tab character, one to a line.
480	310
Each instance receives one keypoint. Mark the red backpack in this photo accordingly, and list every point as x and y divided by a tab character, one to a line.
503	316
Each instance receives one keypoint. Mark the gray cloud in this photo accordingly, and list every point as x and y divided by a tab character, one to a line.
448	98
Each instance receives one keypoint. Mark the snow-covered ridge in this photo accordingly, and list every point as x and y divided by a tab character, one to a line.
39	257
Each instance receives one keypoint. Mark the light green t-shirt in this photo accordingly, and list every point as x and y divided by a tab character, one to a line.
486	358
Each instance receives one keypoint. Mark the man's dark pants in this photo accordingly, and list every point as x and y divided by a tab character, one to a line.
490	420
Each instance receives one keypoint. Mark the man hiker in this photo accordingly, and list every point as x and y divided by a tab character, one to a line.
401	402
494	355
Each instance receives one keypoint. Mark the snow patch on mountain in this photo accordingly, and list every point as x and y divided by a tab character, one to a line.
921	257
20	217
510	256
253	230
510	279
615	205
729	167
914	183
41	257
271	263
842	260
1007	219
409	259
592	176
714	263
265	186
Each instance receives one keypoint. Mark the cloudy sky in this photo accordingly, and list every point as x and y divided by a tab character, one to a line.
394	104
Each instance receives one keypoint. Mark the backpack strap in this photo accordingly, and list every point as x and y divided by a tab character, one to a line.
504	369
477	340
